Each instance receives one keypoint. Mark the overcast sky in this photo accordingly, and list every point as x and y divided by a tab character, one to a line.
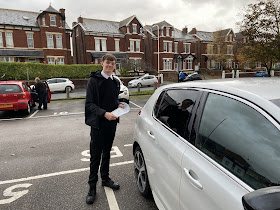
206	15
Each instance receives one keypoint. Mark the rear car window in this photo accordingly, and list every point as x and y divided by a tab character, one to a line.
10	89
276	101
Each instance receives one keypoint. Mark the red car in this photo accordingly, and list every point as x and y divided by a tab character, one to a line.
17	95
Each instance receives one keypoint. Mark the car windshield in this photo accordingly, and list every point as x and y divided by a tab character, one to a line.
276	101
10	89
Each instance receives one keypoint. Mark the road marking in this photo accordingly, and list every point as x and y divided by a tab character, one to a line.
128	145
34	114
136	105
113	204
58	173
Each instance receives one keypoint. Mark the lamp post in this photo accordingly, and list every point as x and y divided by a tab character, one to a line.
158	49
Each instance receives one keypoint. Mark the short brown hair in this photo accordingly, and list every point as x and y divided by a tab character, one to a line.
109	57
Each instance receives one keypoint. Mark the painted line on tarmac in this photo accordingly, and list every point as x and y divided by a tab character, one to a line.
113	204
128	145
58	173
136	105
34	114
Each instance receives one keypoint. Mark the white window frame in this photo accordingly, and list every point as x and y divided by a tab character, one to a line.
43	20
137	46
187	48
103	45
229	49
97	45
210	49
7	59
169	46
58	38
134	28
127	30
167	64
30	40
9	39
1	39
218	49
175	47
52	20
117	45
131	45
50	41
189	64
51	60
229	63
164	46
60	60
230	38
167	31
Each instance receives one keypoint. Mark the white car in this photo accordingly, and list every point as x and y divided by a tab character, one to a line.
60	84
124	92
210	144
146	80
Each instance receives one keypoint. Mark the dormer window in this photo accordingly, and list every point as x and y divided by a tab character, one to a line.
167	31
43	20
53	20
230	37
134	27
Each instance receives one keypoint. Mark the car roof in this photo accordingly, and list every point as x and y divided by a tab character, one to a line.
58	78
257	90
11	82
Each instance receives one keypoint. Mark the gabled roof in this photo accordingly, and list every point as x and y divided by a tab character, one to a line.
18	18
101	26
204	35
239	35
181	36
127	21
50	9
163	24
223	33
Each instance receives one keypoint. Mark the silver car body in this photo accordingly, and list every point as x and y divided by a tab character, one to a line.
60	84
181	176
146	80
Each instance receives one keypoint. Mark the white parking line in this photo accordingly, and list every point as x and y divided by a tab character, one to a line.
113	204
128	145
136	105
57	173
34	114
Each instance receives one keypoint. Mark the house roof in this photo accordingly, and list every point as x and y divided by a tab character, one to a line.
222	33
126	21
18	53
204	35
239	36
181	36
163	24
101	26
50	9
18	18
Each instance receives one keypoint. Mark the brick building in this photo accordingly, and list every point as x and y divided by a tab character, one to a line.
93	38
35	37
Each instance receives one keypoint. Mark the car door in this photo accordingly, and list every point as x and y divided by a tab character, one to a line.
169	146
61	84
52	84
236	150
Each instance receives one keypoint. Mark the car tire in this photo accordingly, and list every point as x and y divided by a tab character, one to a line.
70	89
124	100
141	174
28	109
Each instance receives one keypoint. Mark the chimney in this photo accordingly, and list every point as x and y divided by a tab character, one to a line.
193	31
185	29
80	20
62	11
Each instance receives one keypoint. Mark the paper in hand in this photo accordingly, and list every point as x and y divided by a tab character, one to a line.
121	111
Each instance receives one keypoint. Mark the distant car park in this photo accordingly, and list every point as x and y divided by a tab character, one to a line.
146	80
60	84
210	144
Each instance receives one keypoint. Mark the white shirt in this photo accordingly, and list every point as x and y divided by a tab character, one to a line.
106	76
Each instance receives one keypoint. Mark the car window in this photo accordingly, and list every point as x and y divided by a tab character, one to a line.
175	108
51	81
10	89
24	86
240	139
60	80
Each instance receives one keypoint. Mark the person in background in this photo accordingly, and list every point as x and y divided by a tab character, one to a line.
42	93
101	99
182	76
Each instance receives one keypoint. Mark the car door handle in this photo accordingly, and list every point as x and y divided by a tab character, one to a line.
193	178
151	134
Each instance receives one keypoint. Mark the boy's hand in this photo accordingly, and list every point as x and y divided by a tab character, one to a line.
110	116
121	106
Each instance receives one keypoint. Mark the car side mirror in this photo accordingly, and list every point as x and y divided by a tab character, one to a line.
262	199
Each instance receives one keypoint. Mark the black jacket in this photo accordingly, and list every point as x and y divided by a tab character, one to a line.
93	111
40	87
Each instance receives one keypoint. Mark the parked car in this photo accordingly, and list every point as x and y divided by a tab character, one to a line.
124	92
60	84
146	80
35	96
15	95
261	74
191	77
208	144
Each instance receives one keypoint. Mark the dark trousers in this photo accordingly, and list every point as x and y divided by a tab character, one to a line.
100	148
43	100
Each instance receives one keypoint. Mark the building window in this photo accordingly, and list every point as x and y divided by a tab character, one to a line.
137	46
167	31
229	63
30	40
97	45
77	31
230	38
43	20
209	49
176	47
7	59
229	49
164	46
49	41
117	45
60	60
58	40
189	63
134	27
187	48
167	64
53	20
1	39
103	45
169	46
51	60
218	49
9	39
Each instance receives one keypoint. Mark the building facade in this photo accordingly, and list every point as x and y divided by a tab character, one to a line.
35	37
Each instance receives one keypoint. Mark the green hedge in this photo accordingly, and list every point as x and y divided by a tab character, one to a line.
18	71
